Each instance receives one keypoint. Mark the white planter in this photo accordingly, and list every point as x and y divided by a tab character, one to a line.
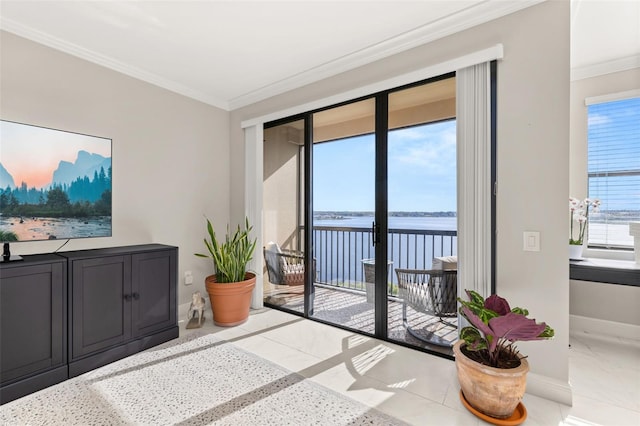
575	251
369	272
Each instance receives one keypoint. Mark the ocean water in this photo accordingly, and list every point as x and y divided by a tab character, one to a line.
395	222
341	253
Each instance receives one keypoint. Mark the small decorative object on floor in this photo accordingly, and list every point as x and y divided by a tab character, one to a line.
579	212
195	316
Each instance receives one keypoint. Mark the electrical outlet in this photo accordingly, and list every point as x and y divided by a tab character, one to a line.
188	278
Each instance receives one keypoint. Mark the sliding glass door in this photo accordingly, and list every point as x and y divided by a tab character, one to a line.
283	218
421	213
343	199
375	180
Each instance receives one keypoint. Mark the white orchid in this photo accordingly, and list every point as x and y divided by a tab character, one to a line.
579	212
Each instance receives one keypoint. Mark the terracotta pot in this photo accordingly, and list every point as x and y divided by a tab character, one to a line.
495	392
230	302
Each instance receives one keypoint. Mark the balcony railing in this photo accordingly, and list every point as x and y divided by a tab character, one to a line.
339	252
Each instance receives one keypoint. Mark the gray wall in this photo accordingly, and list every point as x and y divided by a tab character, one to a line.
533	156
597	300
170	153
609	302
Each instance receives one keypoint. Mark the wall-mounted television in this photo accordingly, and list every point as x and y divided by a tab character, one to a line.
54	184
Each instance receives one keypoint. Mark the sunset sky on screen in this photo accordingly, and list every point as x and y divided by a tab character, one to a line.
31	154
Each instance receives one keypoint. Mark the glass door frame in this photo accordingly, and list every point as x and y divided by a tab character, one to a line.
381	226
381	201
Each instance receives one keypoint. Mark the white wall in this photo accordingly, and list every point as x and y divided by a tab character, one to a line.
170	153
533	158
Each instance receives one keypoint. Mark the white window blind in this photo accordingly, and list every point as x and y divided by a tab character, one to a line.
614	170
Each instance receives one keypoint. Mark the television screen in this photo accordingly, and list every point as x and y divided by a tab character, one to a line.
53	184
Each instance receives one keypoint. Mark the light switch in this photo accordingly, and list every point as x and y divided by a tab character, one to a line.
531	241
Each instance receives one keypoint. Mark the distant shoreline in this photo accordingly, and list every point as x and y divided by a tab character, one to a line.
339	215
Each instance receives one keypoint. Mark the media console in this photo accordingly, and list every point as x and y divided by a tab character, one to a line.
64	314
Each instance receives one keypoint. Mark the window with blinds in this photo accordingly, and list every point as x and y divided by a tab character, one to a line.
614	170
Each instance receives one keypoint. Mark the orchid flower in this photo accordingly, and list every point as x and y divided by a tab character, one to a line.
579	212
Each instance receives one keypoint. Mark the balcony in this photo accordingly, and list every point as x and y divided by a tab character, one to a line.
343	258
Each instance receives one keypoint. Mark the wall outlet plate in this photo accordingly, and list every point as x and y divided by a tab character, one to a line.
531	241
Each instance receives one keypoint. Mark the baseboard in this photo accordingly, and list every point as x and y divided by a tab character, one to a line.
548	388
95	360
34	383
579	324
183	308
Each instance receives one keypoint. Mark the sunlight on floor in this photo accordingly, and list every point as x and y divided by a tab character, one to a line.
367	360
575	421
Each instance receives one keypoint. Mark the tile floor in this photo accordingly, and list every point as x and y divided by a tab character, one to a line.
351	309
422	389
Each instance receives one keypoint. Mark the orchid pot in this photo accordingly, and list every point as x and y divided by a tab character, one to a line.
579	214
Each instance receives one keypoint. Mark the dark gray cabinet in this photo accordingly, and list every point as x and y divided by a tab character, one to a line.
33	324
101	307
123	300
153	290
66	314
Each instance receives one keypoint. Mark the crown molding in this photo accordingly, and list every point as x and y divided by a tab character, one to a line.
467	18
107	62
489	54
608	67
470	17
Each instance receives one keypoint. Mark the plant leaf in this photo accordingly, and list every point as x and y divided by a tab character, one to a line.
518	310
514	327
473	339
476	321
497	304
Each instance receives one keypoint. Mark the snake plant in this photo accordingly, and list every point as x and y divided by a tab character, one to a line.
230	258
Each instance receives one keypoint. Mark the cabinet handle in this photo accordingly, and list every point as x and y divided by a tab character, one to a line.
136	296
127	297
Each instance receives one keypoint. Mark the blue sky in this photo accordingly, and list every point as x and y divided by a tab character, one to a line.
614	145
422	171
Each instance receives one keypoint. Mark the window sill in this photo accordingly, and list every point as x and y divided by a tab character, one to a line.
624	272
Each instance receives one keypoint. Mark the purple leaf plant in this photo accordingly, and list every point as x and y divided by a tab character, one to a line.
495	327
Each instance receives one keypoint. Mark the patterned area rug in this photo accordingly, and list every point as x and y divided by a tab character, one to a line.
194	380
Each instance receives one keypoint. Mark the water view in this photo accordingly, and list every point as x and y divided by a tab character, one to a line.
343	243
395	222
49	228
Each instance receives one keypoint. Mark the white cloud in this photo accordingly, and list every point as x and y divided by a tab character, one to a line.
598	120
428	150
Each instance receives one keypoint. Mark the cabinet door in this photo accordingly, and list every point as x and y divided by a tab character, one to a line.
153	281
101	303
32	319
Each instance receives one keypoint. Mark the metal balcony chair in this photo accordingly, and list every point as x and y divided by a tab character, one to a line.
432	292
284	267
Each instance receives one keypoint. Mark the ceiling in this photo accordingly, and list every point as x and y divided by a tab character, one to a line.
233	53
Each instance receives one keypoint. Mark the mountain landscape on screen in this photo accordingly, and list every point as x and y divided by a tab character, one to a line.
60	188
